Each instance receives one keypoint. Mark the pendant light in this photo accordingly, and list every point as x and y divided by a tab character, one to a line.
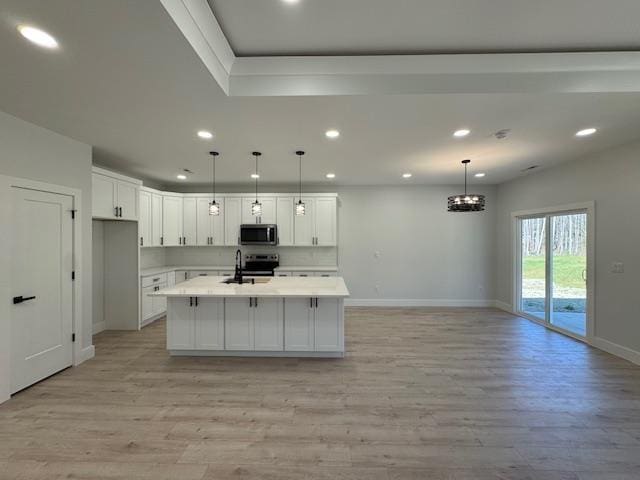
467	202
256	207
300	209
214	207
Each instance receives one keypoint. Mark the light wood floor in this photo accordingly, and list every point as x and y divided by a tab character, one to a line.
422	394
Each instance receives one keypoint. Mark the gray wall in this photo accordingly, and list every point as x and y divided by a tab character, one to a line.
400	243
98	275
31	152
612	180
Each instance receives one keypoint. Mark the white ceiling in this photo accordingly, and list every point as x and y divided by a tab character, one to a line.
369	27
126	81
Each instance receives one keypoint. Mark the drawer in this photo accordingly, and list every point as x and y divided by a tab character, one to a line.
304	274
154	280
227	273
282	274
203	273
326	274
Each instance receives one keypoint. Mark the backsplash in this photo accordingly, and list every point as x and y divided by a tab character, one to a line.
204	256
153	257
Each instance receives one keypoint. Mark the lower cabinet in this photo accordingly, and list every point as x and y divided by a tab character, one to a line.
195	324
313	324
152	306
256	324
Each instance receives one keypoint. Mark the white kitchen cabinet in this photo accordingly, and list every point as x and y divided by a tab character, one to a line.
171	279
210	227
181	324
232	220
182	276
114	196
189	221
156	219
127	200
151	307
299	324
146	303
268	324
202	273
238	329
325	220
171	220
328	325
268	210
144	222
304	225
209	324
150	218
285	211
196	324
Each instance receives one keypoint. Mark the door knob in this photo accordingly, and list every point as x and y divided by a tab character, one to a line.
21	299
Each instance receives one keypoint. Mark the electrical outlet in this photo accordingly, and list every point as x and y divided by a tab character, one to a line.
617	267
376	254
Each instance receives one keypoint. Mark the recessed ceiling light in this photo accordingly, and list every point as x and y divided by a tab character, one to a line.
461	133
37	36
407	175
585	132
205	134
291	2
181	177
331	175
255	175
480	175
332	133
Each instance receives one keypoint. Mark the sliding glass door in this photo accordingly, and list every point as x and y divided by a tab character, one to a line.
552	269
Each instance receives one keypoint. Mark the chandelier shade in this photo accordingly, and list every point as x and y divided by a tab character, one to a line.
466	202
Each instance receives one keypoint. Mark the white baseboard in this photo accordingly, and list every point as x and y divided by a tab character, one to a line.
618	350
409	302
99	327
502	306
85	354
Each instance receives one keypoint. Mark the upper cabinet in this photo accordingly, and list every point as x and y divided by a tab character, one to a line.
175	219
172	220
115	197
318	227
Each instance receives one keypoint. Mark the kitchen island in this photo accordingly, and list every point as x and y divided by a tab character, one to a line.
264	316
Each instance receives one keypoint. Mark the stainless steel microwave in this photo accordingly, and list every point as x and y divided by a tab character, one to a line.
258	234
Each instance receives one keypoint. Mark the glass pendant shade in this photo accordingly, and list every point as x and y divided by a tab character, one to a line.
256	209
466	202
214	208
300	208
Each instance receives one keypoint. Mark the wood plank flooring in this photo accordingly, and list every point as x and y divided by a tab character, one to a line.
455	394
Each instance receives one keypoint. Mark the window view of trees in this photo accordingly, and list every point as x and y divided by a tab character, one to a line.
569	235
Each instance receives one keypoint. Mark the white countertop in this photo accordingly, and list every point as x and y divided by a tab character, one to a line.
145	272
306	268
275	287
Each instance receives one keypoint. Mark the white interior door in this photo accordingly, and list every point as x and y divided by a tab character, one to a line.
42	263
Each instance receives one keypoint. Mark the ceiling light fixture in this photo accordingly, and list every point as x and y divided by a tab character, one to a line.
585	132
214	207
291	2
463	132
256	207
206	135
332	133
479	175
331	175
467	202
407	175
37	36
300	208
181	177
255	175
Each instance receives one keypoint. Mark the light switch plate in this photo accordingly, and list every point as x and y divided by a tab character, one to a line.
617	267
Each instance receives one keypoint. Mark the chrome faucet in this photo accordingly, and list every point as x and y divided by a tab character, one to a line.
238	273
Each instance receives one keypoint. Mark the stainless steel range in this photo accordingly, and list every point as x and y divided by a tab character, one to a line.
260	265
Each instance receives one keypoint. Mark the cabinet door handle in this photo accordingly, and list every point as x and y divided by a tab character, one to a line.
115	209
141	241
310	302
120	211
196	301
184	240
191	301
161	240
250	302
255	302
316	302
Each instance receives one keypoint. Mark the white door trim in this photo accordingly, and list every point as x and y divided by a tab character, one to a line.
79	354
589	207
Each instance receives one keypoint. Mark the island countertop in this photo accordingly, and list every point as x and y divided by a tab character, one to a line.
274	287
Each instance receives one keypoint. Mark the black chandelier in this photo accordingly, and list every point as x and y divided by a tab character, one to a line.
467	202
